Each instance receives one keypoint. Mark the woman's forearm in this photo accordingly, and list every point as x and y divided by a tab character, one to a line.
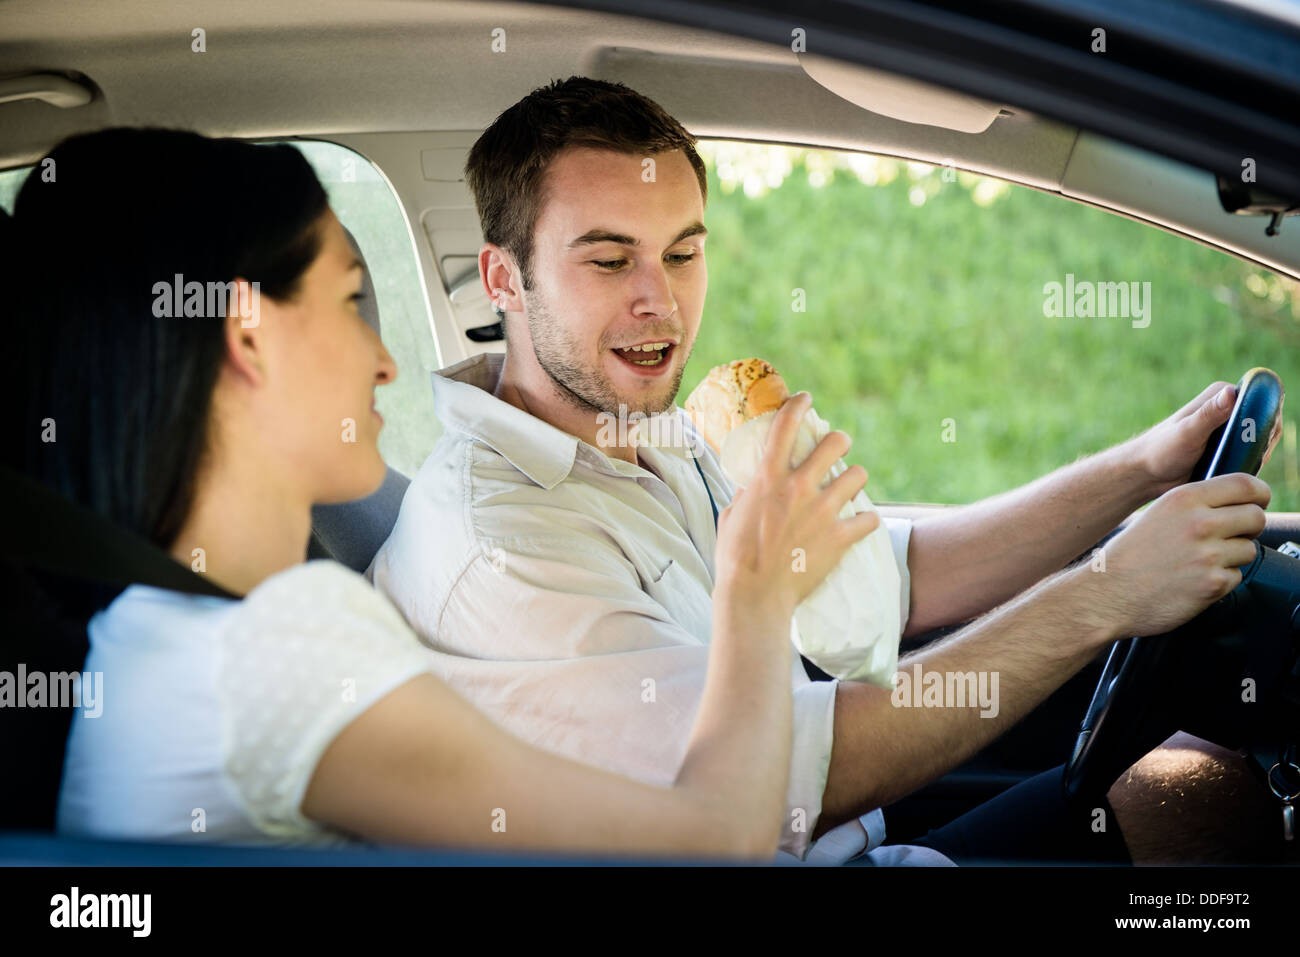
739	750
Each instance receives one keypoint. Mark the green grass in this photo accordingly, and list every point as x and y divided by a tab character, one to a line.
918	314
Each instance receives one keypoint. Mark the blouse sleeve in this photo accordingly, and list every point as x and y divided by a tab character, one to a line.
306	653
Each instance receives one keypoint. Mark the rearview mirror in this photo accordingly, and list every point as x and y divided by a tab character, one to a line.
1246	199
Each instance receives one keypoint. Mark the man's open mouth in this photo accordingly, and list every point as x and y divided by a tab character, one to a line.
647	355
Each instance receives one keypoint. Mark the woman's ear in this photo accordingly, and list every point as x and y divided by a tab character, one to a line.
246	341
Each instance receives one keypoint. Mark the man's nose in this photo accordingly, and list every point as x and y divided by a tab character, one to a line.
655	291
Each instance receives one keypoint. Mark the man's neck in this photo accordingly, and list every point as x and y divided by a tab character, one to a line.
533	391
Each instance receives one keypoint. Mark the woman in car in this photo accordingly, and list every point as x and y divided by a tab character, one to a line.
202	369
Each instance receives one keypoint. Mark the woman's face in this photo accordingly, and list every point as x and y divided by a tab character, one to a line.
322	364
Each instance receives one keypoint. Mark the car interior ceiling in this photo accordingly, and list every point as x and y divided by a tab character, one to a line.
431	88
370	74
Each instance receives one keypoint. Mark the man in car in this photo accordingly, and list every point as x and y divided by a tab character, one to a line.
562	572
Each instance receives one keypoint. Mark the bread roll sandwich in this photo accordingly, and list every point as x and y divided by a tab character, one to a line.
732	394
733	407
850	625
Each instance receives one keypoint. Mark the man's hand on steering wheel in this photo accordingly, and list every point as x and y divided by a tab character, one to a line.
1170	449
1181	555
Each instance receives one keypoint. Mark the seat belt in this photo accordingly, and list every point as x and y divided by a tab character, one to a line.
46	531
45	534
712	504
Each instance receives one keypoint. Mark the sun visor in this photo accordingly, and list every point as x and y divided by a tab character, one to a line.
900	98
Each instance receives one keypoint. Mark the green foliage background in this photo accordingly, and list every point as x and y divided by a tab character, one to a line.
920	313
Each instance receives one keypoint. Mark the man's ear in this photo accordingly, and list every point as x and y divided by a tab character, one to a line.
245	334
498	269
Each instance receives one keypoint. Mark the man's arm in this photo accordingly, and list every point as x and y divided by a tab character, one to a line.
964	561
1181	555
967	560
882	753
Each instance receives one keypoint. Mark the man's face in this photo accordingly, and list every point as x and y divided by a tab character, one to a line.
618	262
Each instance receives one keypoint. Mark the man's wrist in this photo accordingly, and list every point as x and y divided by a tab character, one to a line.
1132	466
1082	599
1129	468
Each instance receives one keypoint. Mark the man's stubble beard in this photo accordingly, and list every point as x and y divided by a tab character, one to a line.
587	389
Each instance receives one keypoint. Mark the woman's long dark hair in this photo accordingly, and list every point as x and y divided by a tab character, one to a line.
125	394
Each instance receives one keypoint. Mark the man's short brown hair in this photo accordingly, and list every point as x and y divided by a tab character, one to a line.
507	165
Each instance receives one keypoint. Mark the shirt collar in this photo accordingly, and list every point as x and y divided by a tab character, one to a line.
463	399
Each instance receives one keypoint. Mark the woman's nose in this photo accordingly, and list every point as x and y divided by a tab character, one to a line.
387	370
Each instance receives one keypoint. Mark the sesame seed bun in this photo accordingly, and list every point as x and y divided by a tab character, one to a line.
734	393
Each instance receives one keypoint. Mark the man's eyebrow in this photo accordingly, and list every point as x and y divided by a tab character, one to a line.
356	264
694	229
593	236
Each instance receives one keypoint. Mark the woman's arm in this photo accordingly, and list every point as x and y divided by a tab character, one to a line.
423	766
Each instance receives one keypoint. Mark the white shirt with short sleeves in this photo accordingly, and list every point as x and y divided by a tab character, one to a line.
215	712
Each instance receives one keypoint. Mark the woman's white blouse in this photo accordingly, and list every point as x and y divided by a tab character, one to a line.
215	712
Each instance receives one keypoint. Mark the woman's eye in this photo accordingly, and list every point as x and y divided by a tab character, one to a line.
356	297
681	259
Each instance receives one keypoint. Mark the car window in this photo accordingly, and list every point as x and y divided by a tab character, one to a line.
916	303
11	180
366	205
364	202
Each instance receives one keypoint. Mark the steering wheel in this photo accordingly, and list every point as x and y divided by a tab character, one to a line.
1120	724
